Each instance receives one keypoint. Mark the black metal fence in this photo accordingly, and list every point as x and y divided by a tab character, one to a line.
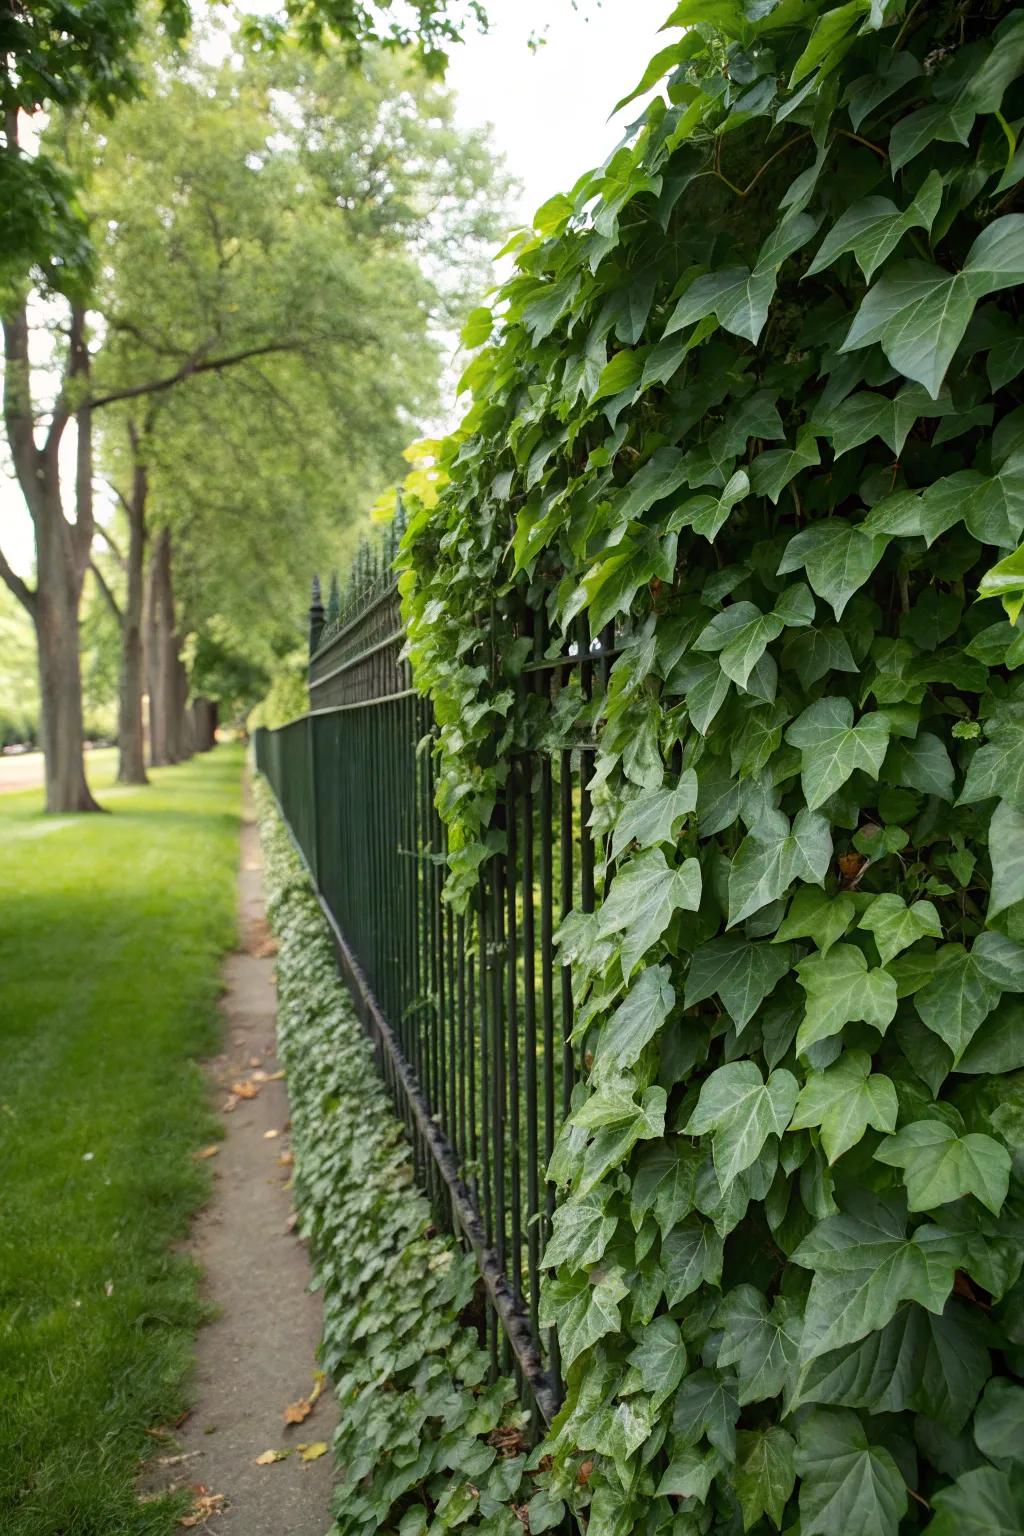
471	1014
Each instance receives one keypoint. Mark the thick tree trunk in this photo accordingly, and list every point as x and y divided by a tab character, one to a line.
62	551
168	678
130	738
60	694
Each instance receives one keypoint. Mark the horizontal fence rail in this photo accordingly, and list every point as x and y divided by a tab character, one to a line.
471	1014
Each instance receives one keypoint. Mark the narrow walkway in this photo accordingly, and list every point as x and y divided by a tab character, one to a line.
259	1355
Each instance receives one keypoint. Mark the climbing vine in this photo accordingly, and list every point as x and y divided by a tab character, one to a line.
752	395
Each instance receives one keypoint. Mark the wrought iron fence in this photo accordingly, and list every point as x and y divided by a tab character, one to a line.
470	1014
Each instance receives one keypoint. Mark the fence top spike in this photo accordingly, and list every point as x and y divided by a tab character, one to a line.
314	592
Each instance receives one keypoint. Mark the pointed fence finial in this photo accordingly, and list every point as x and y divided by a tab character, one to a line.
316	615
334	600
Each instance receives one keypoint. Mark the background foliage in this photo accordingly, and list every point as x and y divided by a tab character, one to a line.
753	396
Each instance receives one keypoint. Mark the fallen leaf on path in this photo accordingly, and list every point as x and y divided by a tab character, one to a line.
269	1457
245	1090
229	1104
255	1061
270	1135
260	1076
286	1159
204	1505
296	1412
186	1413
210	1151
290	1224
313	1452
276	1077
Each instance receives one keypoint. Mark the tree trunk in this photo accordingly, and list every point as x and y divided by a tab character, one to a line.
60	696
62	549
130	739
204	723
168	678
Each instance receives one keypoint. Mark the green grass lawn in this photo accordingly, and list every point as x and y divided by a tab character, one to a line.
111	933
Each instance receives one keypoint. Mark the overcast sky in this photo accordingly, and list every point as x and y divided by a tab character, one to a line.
548	108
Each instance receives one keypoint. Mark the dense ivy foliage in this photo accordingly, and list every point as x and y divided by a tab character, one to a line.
753	394
424	1437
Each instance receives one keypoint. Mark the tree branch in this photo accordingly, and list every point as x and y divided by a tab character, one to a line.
196	365
21	590
107	537
101	582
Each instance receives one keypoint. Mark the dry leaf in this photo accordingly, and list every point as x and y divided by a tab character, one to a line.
205	1505
255	1061
259	1077
295	1413
314	1451
229	1104
286	1159
290	1224
276	1077
269	1457
244	1090
210	1151
270	1135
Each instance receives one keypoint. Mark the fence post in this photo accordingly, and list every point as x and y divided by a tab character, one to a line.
316	616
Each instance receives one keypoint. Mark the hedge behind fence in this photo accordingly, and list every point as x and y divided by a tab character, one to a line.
756	385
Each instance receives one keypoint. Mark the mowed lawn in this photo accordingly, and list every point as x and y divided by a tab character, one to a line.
112	930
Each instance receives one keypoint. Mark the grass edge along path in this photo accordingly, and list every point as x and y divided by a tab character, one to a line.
111	938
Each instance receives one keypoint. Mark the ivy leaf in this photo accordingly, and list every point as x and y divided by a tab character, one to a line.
706	1405
919	313
580	1232
742	1111
742	633
840	989
690	1474
637	1019
865	1267
983	1502
663	473
940	1166
653	817
929	1363
741	973
643	897
865	415
818	916
997	769
818	651
771	472
846	1483
844	1100
1006	850
772	856
923	764
659	1360
913	133
999	1423
837	557
663	1183
832	747
873	228
707	514
691	1256
957	999
764	1474
584	1312
761	1342
895	926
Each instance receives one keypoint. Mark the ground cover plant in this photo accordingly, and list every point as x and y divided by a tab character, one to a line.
110	950
752	397
426	1439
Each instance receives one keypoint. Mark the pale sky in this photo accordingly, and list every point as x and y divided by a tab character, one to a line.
548	109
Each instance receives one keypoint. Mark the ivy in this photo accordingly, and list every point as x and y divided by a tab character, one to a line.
425	1438
753	394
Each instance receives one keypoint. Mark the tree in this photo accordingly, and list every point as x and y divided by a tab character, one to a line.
54	56
285	242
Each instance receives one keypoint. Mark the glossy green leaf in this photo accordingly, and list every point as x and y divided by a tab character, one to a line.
843	1101
847	1484
940	1166
742	1110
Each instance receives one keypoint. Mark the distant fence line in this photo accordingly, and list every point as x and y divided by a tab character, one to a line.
470	1014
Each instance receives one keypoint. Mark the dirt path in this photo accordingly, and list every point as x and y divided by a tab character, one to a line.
259	1354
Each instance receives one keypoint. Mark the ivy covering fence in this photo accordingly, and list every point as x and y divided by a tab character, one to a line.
750	406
